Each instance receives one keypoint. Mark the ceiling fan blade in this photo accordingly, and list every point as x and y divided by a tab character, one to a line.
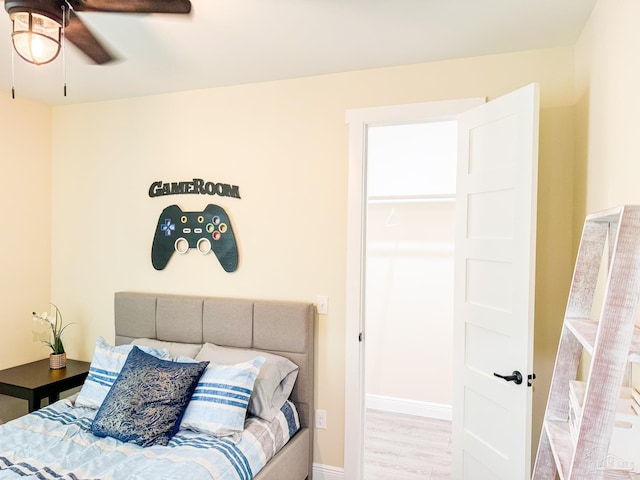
78	34
132	6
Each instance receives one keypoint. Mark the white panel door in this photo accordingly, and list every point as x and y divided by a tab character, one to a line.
494	287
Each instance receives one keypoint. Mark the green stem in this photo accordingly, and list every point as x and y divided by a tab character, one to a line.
56	329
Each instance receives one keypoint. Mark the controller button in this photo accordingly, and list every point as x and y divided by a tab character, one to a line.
167	227
210	227
223	228
204	246
200	219
181	245
215	220
216	235
197	230
183	219
186	230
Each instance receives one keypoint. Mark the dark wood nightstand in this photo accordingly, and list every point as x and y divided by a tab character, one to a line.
35	381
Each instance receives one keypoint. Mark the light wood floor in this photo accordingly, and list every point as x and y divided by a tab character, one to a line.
406	447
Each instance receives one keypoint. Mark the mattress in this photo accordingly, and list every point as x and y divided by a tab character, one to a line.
56	443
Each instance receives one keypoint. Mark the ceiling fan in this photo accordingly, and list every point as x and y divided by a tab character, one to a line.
42	20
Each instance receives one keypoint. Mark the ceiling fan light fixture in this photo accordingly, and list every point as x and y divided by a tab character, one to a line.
35	37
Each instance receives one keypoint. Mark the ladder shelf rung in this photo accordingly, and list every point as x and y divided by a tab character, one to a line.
613	214
585	330
562	447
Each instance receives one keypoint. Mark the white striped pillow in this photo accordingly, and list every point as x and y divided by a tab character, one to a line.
106	363
219	403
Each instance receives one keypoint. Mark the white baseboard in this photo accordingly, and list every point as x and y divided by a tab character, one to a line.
409	407
327	472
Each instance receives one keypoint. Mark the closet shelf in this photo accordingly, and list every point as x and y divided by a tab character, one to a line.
426	198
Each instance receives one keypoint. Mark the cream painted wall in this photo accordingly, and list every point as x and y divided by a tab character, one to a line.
608	76
25	245
409	301
285	145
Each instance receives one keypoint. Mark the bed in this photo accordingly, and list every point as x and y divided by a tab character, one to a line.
65	440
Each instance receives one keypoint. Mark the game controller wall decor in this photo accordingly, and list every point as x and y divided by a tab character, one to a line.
205	231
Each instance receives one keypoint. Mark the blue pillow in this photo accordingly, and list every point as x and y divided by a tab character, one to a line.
105	367
147	400
219	403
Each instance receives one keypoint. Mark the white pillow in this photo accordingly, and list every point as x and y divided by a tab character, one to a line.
274	383
105	367
175	348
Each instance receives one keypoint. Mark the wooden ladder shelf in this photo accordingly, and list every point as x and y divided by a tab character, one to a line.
578	448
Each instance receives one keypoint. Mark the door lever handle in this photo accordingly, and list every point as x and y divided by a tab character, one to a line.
515	377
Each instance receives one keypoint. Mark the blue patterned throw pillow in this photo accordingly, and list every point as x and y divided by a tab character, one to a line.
147	400
219	403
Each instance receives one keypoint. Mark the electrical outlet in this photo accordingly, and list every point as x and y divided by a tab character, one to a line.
321	419
323	304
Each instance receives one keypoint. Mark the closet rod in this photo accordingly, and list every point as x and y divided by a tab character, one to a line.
425	198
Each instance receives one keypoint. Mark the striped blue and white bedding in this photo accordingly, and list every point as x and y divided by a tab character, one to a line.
56	443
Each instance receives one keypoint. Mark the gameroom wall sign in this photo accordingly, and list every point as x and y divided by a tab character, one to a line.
197	186
206	231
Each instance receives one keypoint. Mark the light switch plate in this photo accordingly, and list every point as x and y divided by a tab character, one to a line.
322	304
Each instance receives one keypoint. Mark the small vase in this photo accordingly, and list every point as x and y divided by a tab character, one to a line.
57	360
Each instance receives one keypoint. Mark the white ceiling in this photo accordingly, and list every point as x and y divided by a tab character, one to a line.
227	42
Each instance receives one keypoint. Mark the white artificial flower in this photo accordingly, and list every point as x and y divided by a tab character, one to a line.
56	326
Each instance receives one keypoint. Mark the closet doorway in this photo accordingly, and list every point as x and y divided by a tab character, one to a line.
411	178
407	204
409	238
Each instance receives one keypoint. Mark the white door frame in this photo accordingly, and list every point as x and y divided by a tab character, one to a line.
359	121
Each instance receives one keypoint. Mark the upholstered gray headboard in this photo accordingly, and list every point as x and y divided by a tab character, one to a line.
284	328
